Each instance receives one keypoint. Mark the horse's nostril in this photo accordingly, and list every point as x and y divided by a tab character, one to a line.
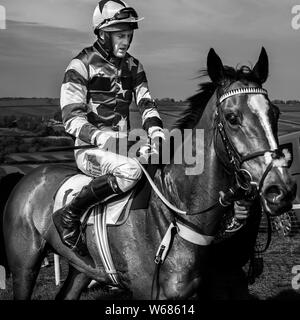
273	194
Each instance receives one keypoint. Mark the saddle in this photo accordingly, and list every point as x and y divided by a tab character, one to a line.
113	212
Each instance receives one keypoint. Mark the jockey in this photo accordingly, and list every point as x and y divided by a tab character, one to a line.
95	97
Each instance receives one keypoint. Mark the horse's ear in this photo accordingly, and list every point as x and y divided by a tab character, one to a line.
215	67
261	69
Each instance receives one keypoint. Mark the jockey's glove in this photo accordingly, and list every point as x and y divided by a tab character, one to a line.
157	137
157	133
145	151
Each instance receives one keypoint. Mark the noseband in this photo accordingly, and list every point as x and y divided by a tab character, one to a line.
242	176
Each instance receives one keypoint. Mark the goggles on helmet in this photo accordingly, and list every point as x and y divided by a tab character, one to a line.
123	14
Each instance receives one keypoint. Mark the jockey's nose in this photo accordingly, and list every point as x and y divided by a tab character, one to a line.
126	41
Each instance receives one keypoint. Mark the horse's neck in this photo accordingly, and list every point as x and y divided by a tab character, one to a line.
197	191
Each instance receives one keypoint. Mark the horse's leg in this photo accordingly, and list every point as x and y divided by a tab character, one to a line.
73	286
25	249
25	269
177	280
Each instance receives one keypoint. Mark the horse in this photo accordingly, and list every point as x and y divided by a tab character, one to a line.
165	252
7	184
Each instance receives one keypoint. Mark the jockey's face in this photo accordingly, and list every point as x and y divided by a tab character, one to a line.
121	42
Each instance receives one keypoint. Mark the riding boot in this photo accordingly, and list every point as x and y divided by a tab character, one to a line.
67	219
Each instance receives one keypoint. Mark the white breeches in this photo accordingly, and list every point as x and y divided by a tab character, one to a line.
96	162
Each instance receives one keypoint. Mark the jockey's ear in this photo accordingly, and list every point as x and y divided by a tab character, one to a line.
215	67
261	69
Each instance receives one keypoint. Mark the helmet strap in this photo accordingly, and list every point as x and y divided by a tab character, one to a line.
106	47
105	43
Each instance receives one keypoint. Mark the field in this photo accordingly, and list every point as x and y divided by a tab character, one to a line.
281	262
289	119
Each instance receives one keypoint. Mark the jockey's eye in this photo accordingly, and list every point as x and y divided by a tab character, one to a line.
232	118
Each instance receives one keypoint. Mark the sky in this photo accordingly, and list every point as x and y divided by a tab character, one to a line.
172	42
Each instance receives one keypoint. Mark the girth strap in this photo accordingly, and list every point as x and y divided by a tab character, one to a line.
184	232
103	245
192	236
165	245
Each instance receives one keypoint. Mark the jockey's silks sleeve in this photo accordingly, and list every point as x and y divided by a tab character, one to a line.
150	116
74	106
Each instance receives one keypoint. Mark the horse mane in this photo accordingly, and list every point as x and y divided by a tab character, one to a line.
198	102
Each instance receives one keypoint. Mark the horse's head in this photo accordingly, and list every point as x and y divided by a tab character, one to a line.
246	131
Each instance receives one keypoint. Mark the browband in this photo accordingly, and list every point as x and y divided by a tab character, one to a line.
242	90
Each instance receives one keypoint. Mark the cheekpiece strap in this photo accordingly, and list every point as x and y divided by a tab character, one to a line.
246	90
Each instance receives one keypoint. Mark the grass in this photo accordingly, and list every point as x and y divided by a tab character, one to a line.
45	288
279	260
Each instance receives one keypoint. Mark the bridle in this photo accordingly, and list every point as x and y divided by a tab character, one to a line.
243	178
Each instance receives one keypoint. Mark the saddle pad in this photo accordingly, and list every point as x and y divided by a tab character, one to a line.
72	186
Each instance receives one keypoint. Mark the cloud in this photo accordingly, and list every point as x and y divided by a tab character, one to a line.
172	41
75	14
33	57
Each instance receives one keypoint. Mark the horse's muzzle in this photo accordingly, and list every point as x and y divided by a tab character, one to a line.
278	199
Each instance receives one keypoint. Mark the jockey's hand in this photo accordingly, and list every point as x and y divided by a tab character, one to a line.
152	146
145	152
156	138
242	209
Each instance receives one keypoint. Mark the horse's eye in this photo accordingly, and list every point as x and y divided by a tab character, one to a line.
232	119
